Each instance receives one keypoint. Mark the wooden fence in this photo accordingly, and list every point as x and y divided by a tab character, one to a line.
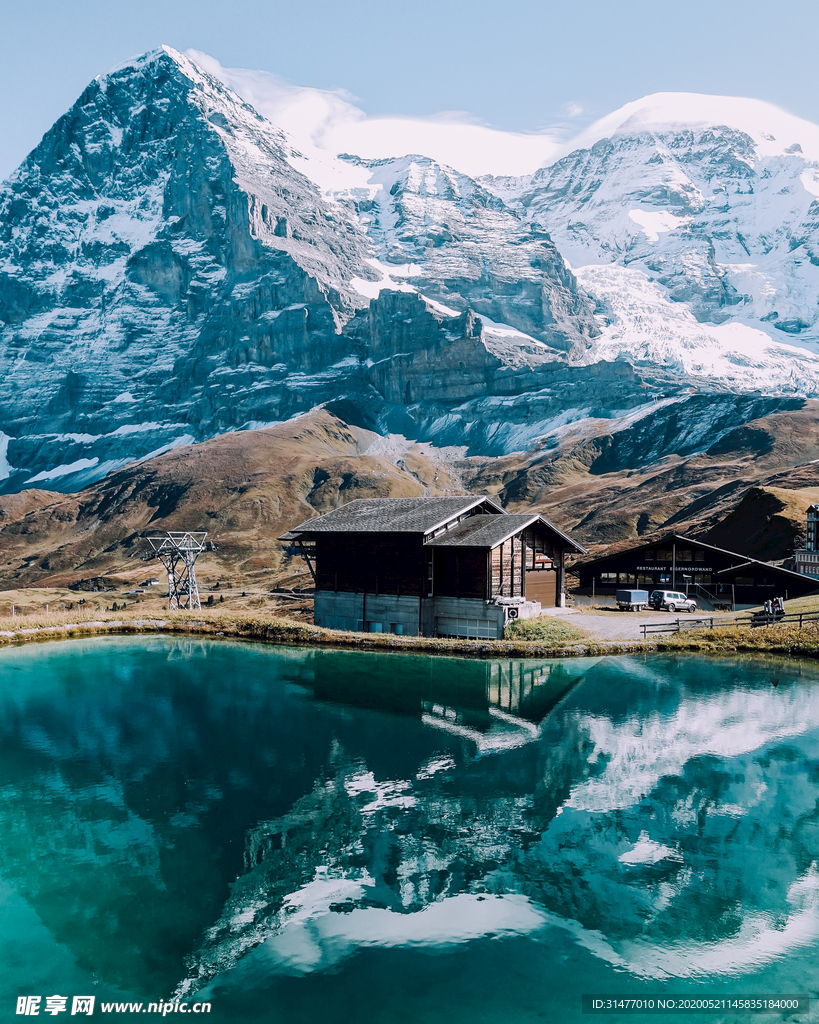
758	619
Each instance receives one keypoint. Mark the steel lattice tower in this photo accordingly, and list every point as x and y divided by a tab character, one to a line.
178	552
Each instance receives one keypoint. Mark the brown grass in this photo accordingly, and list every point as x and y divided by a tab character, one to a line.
780	639
271	629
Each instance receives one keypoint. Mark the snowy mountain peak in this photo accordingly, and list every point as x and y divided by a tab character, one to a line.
156	234
694	222
166	55
169	271
774	131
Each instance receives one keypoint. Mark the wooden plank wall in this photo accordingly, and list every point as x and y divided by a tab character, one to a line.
506	567
538	543
385	563
510	560
372	563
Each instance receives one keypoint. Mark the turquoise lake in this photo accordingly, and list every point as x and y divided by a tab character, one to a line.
318	836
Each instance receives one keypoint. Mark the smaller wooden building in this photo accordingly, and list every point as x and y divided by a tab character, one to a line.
454	566
677	562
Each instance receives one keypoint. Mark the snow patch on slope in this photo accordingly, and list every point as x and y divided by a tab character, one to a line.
5	469
647	327
371	289
656	222
66	470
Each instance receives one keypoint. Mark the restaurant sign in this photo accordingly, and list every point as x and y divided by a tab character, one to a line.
668	565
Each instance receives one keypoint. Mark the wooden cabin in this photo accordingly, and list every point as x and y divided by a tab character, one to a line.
454	566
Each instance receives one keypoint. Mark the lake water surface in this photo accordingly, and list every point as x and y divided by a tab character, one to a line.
315	836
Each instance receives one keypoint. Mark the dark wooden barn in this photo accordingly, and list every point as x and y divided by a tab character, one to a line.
457	566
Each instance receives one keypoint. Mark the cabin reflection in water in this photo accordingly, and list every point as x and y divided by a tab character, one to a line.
473	695
527	688
519	696
274	812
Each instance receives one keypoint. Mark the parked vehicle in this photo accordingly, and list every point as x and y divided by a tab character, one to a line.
672	601
631	600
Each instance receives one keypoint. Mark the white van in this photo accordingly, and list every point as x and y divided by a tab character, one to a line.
672	601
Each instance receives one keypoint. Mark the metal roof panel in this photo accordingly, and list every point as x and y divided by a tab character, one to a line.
393	515
490	531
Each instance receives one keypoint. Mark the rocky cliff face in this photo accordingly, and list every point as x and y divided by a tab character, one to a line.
167	272
162	268
451	238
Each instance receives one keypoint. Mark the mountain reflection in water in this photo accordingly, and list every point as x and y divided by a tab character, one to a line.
195	816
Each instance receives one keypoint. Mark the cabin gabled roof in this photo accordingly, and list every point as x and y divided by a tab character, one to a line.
425	516
491	531
393	515
667	539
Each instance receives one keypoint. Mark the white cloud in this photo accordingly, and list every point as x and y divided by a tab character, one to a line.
328	120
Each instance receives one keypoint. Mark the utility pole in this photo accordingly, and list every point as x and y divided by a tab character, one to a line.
178	551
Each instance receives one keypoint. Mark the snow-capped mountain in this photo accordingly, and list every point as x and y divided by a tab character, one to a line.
168	272
159	226
694	222
174	265
443	234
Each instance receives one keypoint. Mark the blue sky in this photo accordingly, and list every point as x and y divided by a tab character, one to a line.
523	65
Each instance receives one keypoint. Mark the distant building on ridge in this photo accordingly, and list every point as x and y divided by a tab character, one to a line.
806	559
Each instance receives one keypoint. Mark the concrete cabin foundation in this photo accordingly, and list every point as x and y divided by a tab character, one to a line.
415	616
367	613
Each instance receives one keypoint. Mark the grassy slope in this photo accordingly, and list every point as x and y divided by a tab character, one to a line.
548	630
248	487
244	488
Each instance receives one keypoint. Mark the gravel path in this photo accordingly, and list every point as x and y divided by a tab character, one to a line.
618	625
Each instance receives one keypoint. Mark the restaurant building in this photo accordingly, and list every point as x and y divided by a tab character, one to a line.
676	562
